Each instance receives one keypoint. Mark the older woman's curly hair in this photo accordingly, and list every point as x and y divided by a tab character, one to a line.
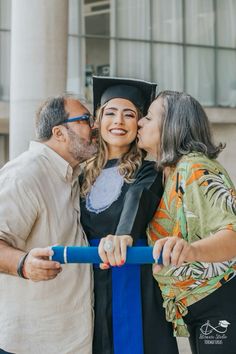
185	128
128	163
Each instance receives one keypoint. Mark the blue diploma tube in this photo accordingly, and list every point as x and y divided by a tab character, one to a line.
74	254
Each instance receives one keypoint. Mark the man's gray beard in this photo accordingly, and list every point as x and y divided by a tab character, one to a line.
79	148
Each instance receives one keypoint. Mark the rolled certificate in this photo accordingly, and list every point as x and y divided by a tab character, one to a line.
74	254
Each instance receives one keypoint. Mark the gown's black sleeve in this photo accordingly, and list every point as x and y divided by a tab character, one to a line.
140	201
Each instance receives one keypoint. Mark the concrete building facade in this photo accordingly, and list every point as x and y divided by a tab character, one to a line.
49	47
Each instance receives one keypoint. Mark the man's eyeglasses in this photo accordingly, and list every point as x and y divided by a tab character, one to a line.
88	118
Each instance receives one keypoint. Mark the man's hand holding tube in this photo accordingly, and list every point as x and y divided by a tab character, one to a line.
37	265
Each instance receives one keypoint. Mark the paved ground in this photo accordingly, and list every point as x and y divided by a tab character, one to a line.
183	345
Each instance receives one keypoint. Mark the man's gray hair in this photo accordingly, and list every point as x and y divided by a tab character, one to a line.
51	113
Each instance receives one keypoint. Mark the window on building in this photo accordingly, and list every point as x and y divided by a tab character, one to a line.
180	44
5	39
4	149
89	44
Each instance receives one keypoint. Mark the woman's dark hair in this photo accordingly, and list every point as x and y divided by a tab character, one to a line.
185	128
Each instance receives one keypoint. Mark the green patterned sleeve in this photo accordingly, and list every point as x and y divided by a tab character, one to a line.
209	200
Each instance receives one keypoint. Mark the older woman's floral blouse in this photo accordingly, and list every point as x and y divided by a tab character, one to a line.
198	201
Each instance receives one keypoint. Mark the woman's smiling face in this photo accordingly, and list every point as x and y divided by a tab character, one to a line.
119	124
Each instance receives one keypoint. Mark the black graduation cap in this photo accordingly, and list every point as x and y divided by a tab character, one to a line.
140	93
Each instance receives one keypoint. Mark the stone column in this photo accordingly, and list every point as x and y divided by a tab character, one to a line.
38	63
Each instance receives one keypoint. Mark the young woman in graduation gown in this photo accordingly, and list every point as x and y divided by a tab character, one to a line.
120	192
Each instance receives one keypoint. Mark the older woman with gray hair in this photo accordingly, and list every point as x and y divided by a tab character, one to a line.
194	225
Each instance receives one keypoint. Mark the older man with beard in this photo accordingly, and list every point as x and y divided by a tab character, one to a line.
39	206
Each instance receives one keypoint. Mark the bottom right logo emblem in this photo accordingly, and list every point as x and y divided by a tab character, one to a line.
214	334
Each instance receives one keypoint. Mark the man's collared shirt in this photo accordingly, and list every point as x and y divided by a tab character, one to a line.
39	207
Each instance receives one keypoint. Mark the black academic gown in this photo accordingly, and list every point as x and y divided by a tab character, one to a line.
129	317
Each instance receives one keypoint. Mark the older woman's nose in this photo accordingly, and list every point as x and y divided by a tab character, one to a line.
140	122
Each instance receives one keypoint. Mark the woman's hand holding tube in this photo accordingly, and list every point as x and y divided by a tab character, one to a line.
175	251
218	247
113	249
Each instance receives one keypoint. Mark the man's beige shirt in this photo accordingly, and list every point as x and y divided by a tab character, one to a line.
39	206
